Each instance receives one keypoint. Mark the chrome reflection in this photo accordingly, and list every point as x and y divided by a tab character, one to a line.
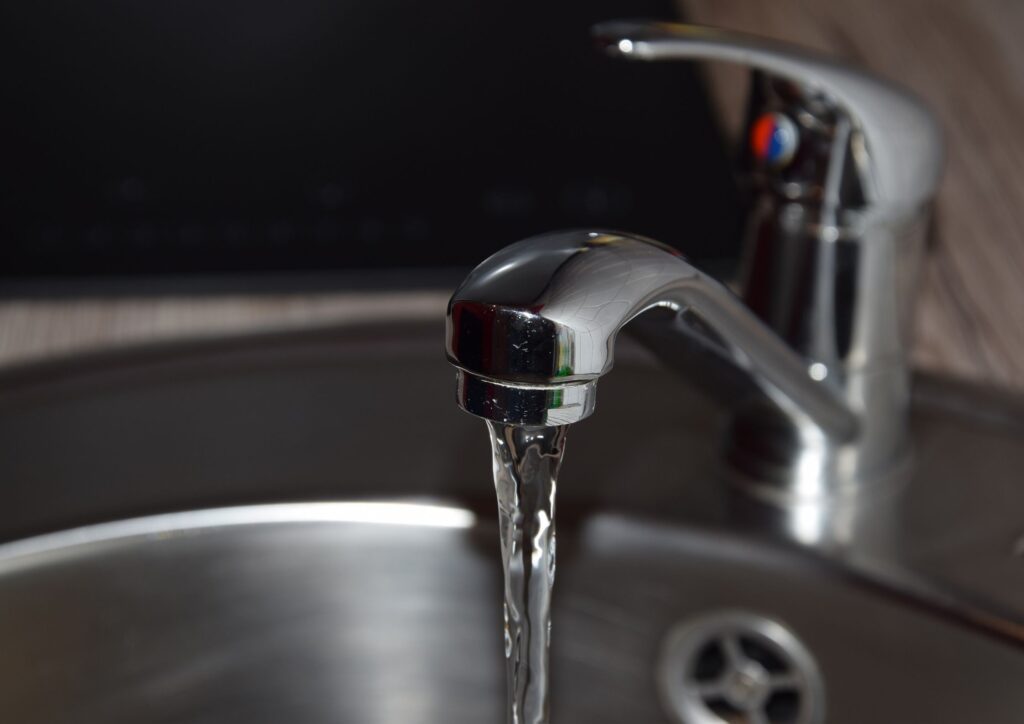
533	328
423	515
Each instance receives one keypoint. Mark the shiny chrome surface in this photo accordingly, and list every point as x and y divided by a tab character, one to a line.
262	614
901	160
835	234
533	327
833	248
543	315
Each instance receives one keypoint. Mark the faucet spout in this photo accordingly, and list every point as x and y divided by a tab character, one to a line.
533	328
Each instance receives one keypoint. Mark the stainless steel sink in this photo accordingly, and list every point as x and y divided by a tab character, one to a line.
121	600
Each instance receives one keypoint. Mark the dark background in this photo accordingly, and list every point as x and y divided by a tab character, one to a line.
222	136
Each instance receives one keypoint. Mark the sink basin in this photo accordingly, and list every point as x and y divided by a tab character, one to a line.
300	528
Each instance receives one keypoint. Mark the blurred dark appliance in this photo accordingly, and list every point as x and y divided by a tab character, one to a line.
221	136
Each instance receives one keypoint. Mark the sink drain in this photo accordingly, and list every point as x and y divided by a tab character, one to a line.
734	667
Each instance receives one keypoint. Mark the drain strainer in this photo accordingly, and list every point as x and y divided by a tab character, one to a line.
734	667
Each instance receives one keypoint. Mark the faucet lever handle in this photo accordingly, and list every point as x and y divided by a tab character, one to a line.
894	141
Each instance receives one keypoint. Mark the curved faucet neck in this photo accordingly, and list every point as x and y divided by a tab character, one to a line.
533	328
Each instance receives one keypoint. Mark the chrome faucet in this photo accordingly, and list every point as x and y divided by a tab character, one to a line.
841	168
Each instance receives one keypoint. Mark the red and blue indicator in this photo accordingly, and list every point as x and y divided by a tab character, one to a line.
774	139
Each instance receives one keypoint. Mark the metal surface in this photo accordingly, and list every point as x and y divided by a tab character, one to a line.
532	328
734	664
541	317
226	621
902	138
834	239
306	614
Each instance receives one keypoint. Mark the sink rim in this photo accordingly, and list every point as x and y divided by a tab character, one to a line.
992	408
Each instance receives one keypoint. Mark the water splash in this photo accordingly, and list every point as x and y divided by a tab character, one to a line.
526	463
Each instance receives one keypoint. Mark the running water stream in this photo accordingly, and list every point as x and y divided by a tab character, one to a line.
526	463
